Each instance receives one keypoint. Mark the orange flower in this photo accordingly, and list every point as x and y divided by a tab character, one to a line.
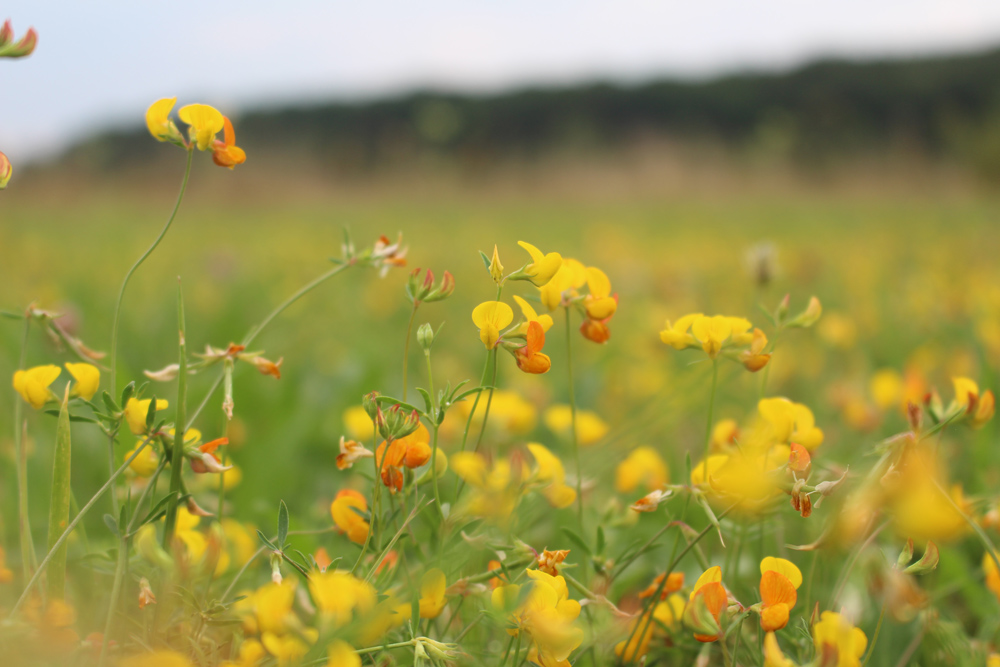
548	561
411	451
778	583
709	595
530	358
342	509
227	153
674	583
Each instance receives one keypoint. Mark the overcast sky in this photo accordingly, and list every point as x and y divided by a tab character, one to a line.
100	63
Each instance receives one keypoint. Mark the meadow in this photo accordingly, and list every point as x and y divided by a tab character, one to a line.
908	281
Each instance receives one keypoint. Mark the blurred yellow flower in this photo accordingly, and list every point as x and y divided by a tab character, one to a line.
491	317
644	466
712	334
204	123
599	303
790	422
978	408
665	615
340	654
156	659
341	597
136	410
835	635
547	615
358	424
779	581
432	588
550	469
886	388
88	379
272	605
347	520
590	428
33	384
773	657
571	276
287	649
145	464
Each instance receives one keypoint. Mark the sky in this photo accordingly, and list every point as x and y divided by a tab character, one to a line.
100	63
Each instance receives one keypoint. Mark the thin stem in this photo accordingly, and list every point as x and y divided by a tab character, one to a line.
711	415
572	412
878	628
72	524
180	428
846	574
292	299
489	401
376	521
121	297
406	347
28	556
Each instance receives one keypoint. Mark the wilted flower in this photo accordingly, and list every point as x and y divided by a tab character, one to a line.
351	451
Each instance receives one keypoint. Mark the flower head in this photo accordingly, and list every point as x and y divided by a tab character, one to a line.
88	379
530	357
779	581
491	317
432	589
159	123
136	410
226	153
33	384
705	605
541	268
838	643
550	470
351	451
350	522
204	122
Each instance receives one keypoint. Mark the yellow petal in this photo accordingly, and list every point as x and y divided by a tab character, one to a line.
88	379
783	567
205	122
598	283
158	118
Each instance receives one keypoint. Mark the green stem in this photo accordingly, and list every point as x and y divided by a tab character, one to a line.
376	521
121	297
180	428
406	347
72	524
711	415
28	556
878	628
292	299
572	412
489	401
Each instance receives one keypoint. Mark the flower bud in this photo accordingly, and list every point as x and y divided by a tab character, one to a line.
19	49
906	555
927	562
495	267
396	423
781	312
6	171
276	568
425	336
418	289
444	290
370	405
809	316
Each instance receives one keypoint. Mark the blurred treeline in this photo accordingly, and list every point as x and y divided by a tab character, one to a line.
938	108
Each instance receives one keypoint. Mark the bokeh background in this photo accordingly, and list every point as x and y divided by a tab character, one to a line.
855	146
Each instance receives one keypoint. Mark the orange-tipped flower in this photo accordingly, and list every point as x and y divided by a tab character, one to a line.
704	609
778	584
530	357
226	153
342	509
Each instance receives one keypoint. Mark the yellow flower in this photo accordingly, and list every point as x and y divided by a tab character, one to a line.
570	276
545	320
288	649
252	653
992	575
677	335
599	304
432	588
158	120
145	464
643	465
550	469
6	575
835	635
340	596
590	428
340	654
704	470
272	605
135	413
347	520
773	657
790	422
920	509
979	408
33	384
715	332
705	604
496	493
547	614
665	614
358	424
886	388
88	379
205	122
491	317
542	266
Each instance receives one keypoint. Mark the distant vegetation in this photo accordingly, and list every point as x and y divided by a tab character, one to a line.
942	108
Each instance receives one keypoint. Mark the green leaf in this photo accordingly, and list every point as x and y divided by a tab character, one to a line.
486	260
151	418
72	418
600	540
112	525
158	509
427	400
127	393
110	403
267	541
59	505
282	523
578	541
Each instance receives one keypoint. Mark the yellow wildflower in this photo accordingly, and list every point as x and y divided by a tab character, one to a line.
834	635
599	303
348	521
135	413
491	317
545	320
547	614
288	649
156	659
590	428
204	123
542	267
88	379
145	464
643	465
571	276
773	657
790	422
272	605
340	654
158	120
496	268
432	588
550	469
340	596
779	581
358	424
33	384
